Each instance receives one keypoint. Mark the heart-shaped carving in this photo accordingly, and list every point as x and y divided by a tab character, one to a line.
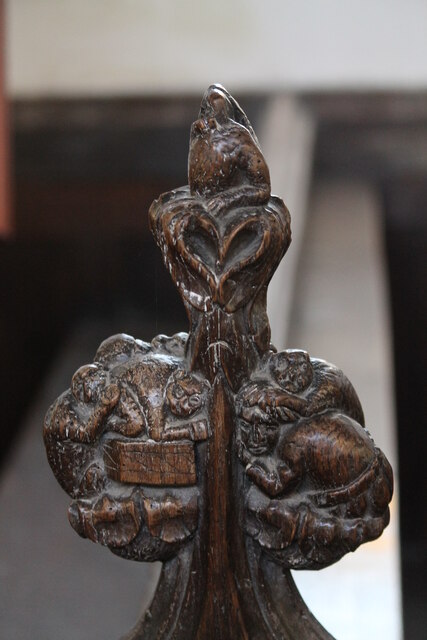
216	259
203	240
203	246
223	255
217	255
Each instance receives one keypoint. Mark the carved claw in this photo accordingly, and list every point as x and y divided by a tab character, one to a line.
216	204
274	483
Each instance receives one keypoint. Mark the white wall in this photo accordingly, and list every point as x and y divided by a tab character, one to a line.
58	47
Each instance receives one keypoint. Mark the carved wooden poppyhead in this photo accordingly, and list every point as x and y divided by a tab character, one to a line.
229	462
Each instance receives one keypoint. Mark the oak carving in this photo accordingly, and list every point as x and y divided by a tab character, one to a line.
229	462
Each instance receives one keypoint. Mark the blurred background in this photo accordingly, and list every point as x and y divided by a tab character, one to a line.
96	101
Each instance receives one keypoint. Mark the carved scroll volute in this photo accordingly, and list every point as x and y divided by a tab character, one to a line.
228	461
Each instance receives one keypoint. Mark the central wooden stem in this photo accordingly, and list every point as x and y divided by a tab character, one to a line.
221	586
221	614
230	604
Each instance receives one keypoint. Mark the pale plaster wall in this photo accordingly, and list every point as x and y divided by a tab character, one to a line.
58	47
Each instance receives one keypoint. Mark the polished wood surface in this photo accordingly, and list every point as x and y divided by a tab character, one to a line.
285	474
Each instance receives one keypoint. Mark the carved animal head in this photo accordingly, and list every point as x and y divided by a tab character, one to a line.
119	348
217	108
88	382
185	394
292	370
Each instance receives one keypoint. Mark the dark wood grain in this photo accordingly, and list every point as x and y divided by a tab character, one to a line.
151	463
210	451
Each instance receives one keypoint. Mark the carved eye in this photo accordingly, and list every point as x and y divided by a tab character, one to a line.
178	391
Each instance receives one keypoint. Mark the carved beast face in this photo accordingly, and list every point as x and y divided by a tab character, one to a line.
185	394
259	438
292	370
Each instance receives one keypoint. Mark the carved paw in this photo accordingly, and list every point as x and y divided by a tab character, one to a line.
270	482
